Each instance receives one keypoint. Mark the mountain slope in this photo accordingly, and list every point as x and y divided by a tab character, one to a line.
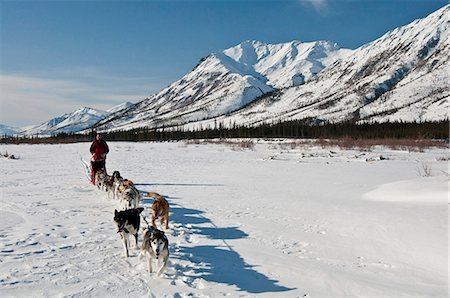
75	121
227	81
8	130
401	76
119	107
404	75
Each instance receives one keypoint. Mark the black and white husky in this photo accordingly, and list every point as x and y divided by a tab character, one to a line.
155	245
128	222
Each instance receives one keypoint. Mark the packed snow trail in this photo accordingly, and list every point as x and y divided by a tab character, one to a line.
240	224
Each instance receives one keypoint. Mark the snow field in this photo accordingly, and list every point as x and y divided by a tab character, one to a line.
267	222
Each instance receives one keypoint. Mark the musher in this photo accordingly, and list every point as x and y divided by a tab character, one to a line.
99	149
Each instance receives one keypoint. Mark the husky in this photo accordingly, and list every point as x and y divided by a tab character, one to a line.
124	189
128	222
117	182
160	209
131	196
100	177
109	184
125	184
155	245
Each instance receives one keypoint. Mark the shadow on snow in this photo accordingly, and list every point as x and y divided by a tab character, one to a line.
220	263
177	184
224	265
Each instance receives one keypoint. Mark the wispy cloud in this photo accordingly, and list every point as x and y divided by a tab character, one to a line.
321	6
32	99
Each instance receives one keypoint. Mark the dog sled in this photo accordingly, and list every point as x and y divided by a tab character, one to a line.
89	171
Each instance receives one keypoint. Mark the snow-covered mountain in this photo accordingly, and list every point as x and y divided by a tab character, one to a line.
75	121
119	107
403	75
226	81
8	130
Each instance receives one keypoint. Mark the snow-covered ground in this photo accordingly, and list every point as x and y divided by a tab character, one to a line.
270	222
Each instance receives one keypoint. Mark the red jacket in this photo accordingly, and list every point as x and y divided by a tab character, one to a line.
99	149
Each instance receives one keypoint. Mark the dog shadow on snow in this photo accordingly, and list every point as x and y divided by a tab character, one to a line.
220	263
178	184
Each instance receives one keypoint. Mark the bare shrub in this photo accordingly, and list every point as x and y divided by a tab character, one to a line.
443	158
236	145
243	145
424	169
411	145
295	144
192	142
284	146
273	146
7	155
291	145
324	143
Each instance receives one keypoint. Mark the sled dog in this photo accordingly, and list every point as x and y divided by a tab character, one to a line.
155	245
128	222
125	190
125	184
131	197
160	209
116	175
118	180
100	177
109	184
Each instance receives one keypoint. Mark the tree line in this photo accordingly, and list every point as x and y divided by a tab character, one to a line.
289	129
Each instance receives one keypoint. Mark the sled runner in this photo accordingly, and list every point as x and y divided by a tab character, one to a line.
87	169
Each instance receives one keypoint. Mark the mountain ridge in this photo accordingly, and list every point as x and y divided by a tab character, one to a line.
254	83
226	81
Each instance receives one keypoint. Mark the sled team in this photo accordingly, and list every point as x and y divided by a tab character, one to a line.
155	243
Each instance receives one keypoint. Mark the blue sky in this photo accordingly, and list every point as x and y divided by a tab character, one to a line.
57	56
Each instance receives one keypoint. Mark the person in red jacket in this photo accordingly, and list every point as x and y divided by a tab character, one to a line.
99	149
